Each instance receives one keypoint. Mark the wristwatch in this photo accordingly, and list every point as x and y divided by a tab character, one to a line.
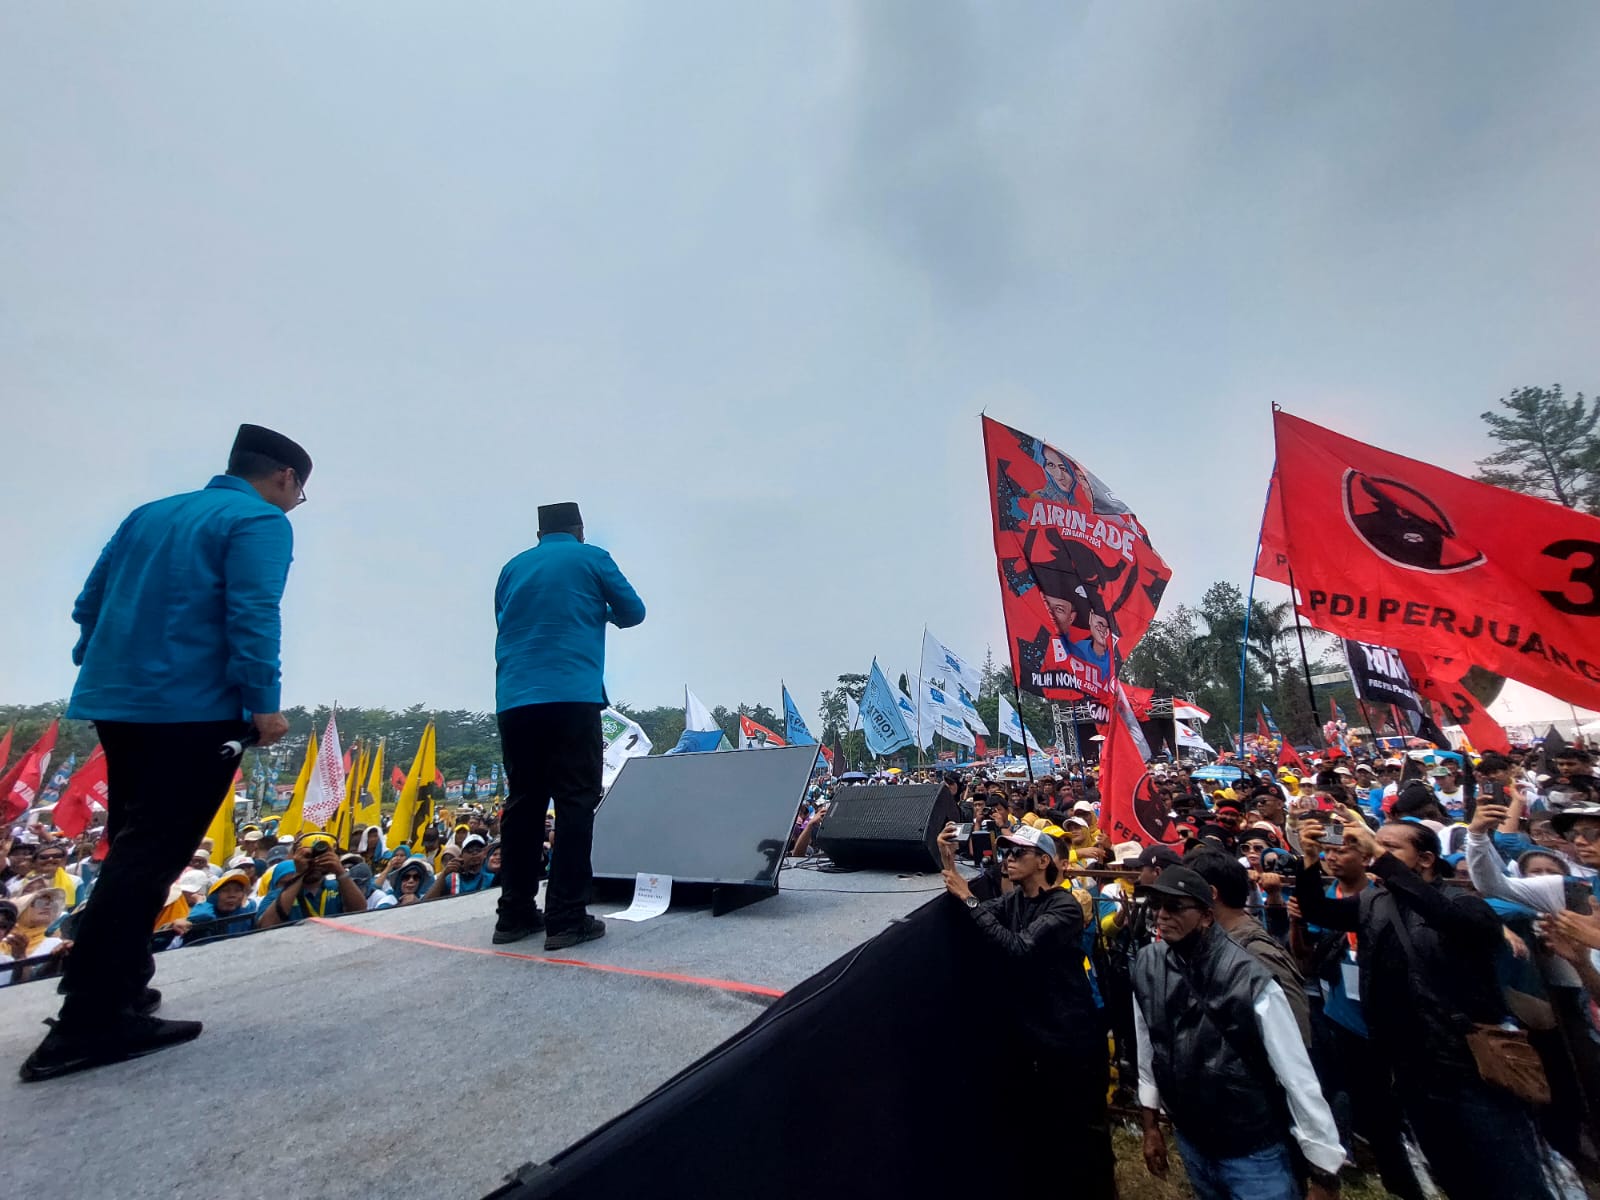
971	902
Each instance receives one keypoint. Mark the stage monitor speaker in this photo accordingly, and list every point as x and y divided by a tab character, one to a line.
895	827
716	817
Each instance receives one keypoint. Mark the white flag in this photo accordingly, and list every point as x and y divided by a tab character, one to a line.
624	740
1188	737
696	715
941	716
853	711
969	713
325	789
1011	726
946	667
909	714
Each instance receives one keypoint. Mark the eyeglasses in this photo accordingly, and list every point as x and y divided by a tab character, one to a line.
1174	904
299	483
1589	832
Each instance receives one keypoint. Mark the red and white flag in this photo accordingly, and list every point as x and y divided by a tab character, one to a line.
753	736
325	791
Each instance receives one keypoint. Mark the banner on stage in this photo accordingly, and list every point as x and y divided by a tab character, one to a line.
1079	580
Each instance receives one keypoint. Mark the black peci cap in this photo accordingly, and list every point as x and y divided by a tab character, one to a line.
558	518
257	439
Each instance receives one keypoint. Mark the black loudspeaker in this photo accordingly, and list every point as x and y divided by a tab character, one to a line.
886	826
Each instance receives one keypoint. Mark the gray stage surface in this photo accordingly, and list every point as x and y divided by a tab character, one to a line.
340	1064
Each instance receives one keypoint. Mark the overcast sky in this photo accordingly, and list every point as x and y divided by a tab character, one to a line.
739	278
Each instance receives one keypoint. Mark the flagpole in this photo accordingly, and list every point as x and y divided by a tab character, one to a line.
1249	602
1300	633
1027	755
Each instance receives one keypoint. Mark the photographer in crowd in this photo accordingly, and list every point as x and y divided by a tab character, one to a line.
1033	931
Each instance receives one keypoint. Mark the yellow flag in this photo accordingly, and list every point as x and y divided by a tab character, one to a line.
224	836
367	809
294	821
415	808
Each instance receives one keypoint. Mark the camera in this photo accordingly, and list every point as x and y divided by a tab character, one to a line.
1277	861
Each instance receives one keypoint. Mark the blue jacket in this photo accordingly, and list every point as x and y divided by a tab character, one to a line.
180	615
551	607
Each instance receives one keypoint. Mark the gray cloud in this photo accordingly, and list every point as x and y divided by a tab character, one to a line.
739	278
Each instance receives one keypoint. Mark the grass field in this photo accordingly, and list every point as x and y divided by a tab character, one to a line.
1135	1183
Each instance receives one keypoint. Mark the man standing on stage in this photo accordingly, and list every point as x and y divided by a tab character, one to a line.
551	607
179	648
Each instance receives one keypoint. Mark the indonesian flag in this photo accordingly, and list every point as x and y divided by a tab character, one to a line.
1187	710
87	786
19	788
325	791
1389	550
756	737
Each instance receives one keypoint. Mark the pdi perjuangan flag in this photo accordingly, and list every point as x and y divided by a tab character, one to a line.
1079	580
1131	810
1390	550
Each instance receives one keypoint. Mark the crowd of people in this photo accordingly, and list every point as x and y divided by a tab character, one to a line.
1347	965
270	880
1391	962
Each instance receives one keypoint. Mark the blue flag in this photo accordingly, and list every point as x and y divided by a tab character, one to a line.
794	726
880	716
470	787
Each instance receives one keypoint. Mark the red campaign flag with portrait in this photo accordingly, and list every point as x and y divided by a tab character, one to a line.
1079	580
1394	551
1130	808
72	812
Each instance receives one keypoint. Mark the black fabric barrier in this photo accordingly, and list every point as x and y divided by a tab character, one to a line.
878	1077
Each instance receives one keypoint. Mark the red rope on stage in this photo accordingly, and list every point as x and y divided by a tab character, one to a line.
725	985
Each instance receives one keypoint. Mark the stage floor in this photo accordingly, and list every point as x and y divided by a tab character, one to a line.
396	1054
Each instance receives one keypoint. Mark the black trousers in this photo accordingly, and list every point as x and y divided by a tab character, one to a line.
1073	1088
1356	1079
164	784
552	752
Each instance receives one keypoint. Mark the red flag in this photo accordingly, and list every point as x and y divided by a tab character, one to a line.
1272	559
1440	680
397	778
1394	551
438	778
752	734
88	784
1262	727
1129	807
20	785
1079	580
1288	756
979	749
5	747
347	759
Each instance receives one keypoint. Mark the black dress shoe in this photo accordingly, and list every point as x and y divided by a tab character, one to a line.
149	1000
592	928
514	929
66	1051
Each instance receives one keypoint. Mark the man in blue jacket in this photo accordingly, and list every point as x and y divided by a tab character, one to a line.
179	648
551	606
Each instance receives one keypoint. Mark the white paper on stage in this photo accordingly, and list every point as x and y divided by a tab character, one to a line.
651	895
